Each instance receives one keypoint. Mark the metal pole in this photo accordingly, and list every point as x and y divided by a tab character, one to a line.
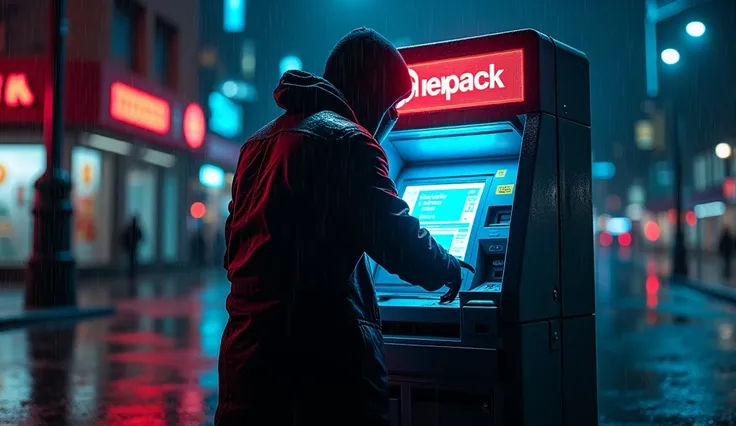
727	165
654	15
650	47
51	274
679	262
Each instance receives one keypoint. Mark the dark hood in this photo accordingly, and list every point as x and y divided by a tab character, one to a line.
370	73
302	92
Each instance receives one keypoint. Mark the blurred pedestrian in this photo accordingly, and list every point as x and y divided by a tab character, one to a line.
131	238
198	244
725	249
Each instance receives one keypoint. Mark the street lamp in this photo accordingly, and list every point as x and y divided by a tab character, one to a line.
51	275
695	29
723	150
670	56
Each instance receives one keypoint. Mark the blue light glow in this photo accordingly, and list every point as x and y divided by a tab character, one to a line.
455	143
447	211
603	170
211	176
234	16
226	116
714	209
618	225
289	63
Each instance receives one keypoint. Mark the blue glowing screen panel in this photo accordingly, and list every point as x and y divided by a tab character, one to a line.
447	211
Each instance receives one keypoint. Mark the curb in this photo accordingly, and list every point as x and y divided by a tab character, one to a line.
716	290
52	315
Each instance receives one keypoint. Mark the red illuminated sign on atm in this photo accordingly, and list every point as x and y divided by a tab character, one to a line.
139	109
16	91
470	81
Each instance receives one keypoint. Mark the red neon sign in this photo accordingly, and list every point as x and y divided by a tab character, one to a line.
194	126
139	108
17	91
470	81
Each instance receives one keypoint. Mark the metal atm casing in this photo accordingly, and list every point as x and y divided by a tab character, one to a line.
525	354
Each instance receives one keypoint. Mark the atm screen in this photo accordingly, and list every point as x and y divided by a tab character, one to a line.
447	211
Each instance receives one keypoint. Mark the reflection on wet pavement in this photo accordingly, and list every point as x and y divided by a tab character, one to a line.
154	363
666	356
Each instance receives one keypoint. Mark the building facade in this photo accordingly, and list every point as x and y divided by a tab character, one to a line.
135	134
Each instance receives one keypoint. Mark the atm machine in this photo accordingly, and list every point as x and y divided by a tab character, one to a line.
492	154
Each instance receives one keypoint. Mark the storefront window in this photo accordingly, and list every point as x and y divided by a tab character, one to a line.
171	215
91	180
141	202
20	166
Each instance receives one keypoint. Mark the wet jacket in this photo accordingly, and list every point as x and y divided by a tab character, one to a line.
312	196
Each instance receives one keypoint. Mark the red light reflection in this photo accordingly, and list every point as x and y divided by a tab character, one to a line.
652	285
671	216
651	267
606	239
624	239
651	231
690	218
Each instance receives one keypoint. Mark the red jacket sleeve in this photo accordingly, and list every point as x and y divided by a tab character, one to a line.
383	226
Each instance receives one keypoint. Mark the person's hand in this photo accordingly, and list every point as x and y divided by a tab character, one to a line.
454	285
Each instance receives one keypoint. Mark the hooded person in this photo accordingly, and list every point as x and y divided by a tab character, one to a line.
312	197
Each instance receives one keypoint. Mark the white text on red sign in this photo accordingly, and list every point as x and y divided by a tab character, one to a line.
470	81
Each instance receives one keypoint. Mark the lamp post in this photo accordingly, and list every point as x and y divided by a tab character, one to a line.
670	56
724	151
51	274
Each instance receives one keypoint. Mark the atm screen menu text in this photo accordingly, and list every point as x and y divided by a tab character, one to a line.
447	211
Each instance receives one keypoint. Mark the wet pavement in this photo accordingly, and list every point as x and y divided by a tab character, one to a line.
707	267
667	355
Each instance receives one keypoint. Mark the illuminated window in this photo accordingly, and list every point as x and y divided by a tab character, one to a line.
233	16
164	60
127	34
